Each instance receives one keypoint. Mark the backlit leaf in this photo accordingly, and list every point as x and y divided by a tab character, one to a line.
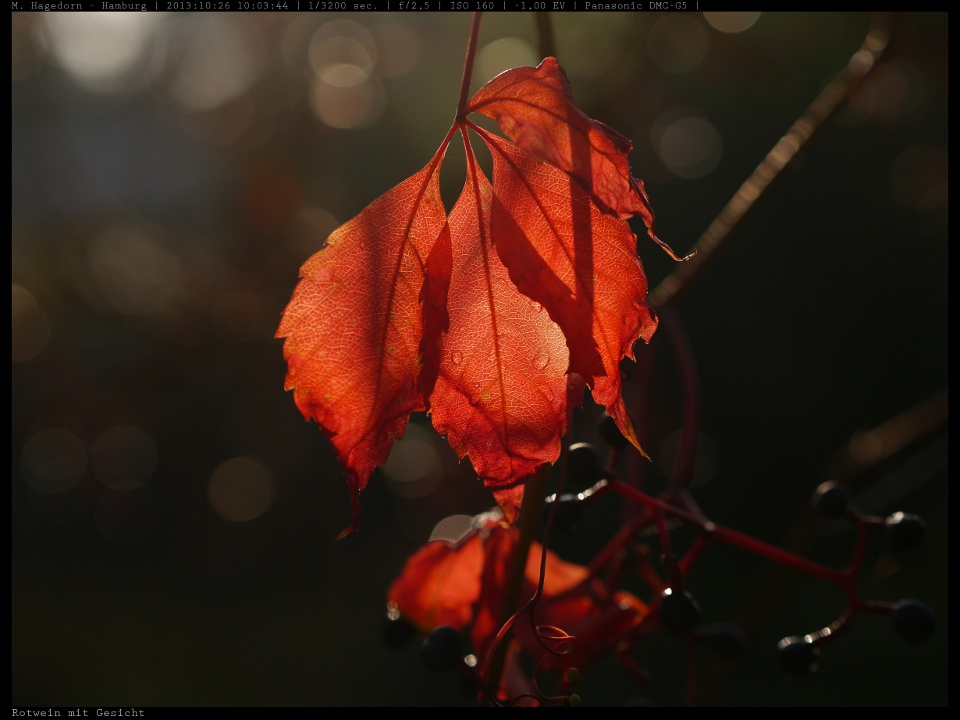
493	320
501	393
578	262
535	108
353	326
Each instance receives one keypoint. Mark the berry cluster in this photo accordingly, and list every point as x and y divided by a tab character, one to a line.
678	610
669	606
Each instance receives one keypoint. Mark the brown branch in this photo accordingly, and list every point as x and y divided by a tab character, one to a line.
824	107
544	28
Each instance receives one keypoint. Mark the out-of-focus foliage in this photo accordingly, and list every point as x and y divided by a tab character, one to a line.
173	515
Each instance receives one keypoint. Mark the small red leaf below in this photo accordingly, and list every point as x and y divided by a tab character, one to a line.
461	585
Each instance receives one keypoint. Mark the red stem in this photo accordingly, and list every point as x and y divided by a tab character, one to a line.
735	537
468	65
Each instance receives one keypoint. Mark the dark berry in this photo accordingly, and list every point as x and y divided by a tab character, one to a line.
904	531
912	620
397	632
584	465
797	656
679	612
725	639
610	433
443	649
831	499
570	512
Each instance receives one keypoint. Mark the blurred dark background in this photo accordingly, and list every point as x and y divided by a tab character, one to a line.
174	517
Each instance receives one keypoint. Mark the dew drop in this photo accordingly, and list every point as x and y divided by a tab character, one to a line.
457	358
541	361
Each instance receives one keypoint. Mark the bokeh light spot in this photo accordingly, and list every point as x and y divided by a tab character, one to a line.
342	53
240	489
731	22
344	92
413	468
101	50
31	329
689	145
350	106
343	62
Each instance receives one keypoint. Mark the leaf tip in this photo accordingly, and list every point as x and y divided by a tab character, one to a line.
346	531
355	508
667	249
510	500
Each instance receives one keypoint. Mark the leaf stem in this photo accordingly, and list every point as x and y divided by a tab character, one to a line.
544	28
468	65
528	522
733	537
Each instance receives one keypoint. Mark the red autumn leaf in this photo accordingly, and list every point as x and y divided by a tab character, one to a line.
501	392
461	585
535	108
404	310
353	326
439	584
576	261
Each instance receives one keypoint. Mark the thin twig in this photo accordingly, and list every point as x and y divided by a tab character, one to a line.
528	521
468	64
544	28
825	106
